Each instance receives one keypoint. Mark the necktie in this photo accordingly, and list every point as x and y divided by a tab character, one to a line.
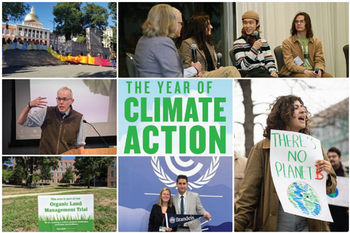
182	205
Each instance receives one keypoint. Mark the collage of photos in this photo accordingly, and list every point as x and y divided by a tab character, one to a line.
59	97
175	116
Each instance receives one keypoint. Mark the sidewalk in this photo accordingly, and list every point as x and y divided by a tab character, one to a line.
49	193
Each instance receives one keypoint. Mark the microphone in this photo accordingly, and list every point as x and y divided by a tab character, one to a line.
96	132
317	70
194	47
219	59
256	34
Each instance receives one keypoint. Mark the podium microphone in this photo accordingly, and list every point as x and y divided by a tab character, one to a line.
219	59
96	132
194	47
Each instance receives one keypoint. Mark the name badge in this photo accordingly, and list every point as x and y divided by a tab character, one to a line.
163	229
260	57
298	61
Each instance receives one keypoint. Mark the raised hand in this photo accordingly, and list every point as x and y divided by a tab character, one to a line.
38	102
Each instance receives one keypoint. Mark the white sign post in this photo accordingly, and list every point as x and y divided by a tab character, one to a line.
66	212
301	188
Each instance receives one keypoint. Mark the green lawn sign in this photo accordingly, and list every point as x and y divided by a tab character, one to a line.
66	212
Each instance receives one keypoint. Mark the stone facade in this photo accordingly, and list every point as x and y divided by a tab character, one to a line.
93	45
58	173
107	37
112	175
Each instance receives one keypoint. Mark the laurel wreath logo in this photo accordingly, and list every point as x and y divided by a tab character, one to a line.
204	179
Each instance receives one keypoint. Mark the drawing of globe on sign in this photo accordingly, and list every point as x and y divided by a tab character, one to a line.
304	198
335	194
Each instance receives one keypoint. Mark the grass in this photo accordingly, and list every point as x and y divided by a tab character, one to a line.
21	213
15	190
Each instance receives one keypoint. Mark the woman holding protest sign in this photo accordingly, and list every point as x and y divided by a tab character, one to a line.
164	205
258	195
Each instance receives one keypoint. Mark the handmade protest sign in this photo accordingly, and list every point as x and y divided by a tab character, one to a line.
341	195
66	212
301	188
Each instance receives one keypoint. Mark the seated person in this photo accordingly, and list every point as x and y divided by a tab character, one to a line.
251	52
302	52
156	54
198	32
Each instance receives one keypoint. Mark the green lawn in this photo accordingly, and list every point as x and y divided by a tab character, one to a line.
15	190
21	213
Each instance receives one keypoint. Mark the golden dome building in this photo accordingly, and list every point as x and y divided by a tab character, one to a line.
31	30
32	17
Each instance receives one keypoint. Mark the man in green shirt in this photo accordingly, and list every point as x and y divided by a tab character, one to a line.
302	52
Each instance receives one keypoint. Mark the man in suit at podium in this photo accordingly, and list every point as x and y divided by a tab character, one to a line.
62	128
187	202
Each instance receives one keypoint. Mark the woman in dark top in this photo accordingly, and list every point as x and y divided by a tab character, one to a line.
157	216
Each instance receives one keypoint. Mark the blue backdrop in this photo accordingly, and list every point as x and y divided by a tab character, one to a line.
142	178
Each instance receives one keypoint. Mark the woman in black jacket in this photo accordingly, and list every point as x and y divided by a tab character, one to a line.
164	205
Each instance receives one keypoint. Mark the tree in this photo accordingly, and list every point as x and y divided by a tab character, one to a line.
113	7
69	18
19	175
45	169
16	11
81	39
95	16
29	165
7	175
68	176
89	167
36	177
113	12
248	124
7	160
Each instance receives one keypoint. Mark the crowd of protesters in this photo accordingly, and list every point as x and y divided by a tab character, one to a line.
20	41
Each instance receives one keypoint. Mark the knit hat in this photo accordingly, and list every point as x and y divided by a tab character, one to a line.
250	15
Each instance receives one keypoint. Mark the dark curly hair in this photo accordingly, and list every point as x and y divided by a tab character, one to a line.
281	111
309	32
196	27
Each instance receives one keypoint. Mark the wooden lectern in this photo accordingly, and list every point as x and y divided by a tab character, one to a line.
97	151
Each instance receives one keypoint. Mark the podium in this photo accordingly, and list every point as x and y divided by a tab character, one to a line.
96	151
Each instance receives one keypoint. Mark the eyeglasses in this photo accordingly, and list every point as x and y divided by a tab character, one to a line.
64	99
301	21
332	156
182	23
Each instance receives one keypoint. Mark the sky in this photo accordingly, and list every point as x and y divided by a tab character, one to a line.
44	11
326	93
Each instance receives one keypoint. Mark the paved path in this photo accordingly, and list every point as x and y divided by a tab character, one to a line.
49	193
62	71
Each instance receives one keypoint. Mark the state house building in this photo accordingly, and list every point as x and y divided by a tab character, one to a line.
30	30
